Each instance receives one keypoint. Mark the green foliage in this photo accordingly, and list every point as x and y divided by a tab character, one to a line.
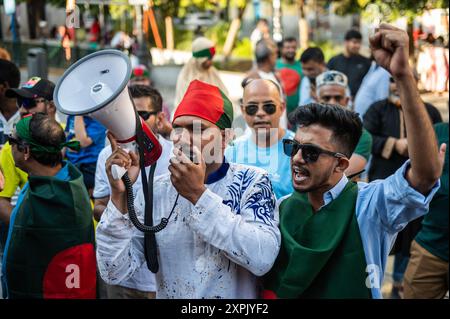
218	34
243	49
389	9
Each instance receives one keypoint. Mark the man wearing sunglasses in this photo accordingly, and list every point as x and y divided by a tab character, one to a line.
223	232
337	234
262	107
332	88
148	103
51	226
35	96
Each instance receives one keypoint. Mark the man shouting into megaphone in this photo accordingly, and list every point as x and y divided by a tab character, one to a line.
222	229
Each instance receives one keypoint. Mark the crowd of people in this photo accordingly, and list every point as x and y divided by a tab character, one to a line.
341	165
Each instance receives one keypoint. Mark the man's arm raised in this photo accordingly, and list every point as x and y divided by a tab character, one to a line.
390	49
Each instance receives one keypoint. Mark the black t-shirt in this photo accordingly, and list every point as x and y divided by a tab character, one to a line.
354	67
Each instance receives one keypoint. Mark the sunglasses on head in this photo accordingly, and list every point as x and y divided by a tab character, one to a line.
252	109
310	153
145	115
29	103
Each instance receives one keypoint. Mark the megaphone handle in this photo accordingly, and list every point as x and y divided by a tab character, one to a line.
117	171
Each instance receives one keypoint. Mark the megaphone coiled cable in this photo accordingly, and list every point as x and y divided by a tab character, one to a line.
132	213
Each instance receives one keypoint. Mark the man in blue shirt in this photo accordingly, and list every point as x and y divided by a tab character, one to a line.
91	135
262	108
335	231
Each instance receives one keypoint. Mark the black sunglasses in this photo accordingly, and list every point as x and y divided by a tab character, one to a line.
310	153
29	103
145	115
269	108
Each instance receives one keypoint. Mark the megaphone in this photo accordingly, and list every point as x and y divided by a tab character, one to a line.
96	86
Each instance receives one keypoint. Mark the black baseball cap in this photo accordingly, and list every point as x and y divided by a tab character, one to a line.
35	87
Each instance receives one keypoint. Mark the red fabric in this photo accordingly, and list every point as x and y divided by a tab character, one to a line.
268	294
290	80
138	72
202	100
212	51
71	274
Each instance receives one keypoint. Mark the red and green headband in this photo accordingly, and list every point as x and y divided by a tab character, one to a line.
205	53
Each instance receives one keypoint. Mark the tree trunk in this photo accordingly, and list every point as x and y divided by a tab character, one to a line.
232	33
302	25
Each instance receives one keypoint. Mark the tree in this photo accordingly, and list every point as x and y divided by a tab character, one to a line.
392	10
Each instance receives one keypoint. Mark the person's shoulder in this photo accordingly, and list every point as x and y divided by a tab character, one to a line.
380	104
105	153
6	148
443	126
441	130
247	171
431	107
336	58
241	140
282	199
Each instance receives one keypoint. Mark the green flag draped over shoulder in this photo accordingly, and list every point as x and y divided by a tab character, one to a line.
51	251
321	254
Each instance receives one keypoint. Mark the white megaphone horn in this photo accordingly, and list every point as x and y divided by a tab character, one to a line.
96	86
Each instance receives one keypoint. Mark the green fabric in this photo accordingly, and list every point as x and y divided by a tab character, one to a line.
364	146
226	120
205	53
321	254
434	233
291	100
23	131
54	215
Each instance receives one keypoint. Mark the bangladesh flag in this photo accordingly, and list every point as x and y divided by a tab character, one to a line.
50	251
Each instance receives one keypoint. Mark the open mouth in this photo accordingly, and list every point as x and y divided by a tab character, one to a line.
261	124
300	174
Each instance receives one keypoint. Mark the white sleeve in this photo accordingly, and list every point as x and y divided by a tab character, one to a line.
120	246
249	237
101	187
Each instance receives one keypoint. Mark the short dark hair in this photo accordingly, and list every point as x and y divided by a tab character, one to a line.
289	39
263	20
10	73
139	90
46	132
353	34
345	125
263	49
312	54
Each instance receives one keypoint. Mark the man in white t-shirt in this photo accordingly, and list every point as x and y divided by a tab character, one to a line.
148	104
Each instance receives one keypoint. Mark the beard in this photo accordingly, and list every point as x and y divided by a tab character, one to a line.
322	183
289	57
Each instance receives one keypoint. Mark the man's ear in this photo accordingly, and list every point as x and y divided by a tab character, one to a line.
51	108
26	153
343	164
3	87
283	105
346	100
